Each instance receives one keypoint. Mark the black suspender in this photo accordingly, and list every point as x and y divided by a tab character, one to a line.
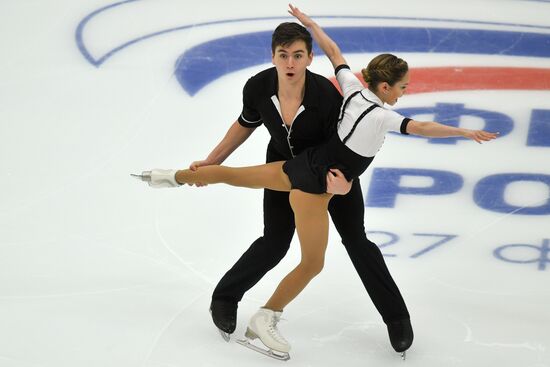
374	105
346	104
357	122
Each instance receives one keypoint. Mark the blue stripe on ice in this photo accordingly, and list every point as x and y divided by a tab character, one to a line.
208	61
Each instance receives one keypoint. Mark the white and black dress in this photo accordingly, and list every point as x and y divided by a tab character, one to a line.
361	130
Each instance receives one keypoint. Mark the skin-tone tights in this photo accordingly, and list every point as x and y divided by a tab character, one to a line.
310	213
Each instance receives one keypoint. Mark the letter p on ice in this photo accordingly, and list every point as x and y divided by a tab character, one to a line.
387	183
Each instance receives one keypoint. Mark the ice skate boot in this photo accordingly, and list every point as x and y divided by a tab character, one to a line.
158	178
224	315
401	336
263	326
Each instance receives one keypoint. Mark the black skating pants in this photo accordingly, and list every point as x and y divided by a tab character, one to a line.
347	213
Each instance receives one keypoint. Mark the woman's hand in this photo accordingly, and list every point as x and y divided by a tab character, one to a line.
480	135
304	19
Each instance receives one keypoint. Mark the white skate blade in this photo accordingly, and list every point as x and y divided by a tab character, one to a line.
404	355
281	356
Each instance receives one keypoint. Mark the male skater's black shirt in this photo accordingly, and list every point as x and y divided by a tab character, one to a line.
314	124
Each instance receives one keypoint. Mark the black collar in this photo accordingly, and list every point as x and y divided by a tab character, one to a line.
311	93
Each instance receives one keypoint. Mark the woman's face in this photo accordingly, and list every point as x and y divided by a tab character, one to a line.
390	94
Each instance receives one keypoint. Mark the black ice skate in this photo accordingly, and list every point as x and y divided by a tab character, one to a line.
224	315
401	336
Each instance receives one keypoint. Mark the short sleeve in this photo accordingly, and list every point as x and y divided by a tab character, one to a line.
250	117
347	80
392	121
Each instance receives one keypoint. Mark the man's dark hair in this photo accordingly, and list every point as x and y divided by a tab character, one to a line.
287	33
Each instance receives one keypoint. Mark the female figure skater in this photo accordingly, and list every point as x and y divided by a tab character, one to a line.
360	134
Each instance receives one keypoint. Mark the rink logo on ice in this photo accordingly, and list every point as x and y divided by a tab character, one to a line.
204	63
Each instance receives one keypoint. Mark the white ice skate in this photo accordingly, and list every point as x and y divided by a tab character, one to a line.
159	178
263	326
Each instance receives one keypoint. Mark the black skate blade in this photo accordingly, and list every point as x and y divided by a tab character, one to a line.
280	356
225	336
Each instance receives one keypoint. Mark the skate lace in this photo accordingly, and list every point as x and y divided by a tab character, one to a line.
274	331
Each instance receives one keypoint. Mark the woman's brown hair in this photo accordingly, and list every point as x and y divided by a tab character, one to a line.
384	68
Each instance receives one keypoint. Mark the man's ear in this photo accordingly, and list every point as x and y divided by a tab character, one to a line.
310	57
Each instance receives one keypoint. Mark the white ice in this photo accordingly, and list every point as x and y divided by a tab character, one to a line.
97	269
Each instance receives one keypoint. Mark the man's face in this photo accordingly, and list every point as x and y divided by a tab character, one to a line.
291	61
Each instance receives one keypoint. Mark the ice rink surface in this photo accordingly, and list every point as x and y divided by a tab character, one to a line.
97	269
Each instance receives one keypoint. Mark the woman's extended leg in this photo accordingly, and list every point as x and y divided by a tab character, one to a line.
311	217
270	176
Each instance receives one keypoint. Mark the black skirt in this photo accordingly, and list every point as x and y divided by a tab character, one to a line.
308	170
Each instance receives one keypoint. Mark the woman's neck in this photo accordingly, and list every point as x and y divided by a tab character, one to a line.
378	94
